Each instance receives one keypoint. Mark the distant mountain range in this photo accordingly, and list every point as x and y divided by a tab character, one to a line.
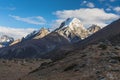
5	41
41	42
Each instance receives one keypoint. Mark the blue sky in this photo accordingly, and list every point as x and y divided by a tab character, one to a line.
19	17
32	8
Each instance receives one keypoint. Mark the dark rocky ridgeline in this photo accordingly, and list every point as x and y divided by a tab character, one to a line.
95	62
34	48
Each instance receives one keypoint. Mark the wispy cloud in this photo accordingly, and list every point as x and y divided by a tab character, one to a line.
87	4
8	8
112	0
90	5
117	9
15	32
87	16
84	2
108	9
37	20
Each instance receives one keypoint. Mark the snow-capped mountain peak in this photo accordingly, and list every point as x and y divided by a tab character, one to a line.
72	23
37	34
72	29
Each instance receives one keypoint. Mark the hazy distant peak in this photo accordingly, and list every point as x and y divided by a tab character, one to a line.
5	40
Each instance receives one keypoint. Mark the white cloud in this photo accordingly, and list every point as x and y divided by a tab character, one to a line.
117	9
15	32
87	16
37	20
90	5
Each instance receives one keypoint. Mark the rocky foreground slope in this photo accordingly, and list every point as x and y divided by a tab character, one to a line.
92	63
97	61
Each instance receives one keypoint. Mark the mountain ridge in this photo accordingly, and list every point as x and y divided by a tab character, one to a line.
106	32
32	47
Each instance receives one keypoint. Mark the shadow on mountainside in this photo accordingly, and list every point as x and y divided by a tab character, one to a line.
35	48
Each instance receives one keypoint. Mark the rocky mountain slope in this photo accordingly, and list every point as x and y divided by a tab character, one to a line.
16	68
98	61
91	63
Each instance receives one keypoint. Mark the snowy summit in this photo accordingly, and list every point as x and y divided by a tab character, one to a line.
72	22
